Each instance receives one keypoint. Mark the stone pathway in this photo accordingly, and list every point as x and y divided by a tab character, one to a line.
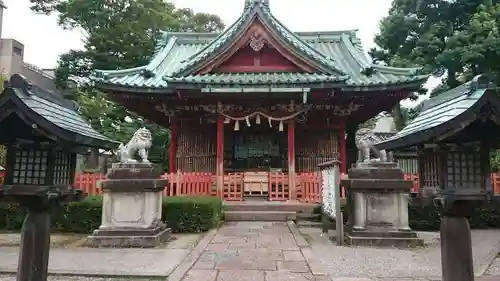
265	251
255	251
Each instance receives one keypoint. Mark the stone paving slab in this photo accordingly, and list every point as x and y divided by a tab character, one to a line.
243	275
103	262
253	251
494	268
326	258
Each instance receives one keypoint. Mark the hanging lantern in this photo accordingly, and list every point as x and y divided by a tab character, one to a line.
281	126
247	120
257	119
227	121
237	125
270	122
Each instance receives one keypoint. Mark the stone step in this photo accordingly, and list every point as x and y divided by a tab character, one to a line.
254	205
309	224
260	215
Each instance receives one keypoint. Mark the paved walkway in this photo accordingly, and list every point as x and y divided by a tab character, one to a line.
265	251
258	251
255	251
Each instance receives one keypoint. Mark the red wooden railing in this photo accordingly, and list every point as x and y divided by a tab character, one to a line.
188	184
90	183
495	182
233	187
416	183
278	187
309	187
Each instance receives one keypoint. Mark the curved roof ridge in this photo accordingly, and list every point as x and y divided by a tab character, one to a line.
359	58
214	44
160	57
98	73
321	57
363	60
396	70
326	32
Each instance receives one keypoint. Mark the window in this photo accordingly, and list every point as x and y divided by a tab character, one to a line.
17	51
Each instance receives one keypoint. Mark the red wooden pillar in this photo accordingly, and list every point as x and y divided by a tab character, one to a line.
172	149
291	160
220	157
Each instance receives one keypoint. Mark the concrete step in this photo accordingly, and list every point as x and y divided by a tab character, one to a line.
260	215
254	205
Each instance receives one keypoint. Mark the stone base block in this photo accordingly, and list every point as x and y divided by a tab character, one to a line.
399	239
128	238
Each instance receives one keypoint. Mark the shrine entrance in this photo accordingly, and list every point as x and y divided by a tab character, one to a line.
255	151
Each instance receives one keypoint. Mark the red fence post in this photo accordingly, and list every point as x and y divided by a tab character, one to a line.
195	184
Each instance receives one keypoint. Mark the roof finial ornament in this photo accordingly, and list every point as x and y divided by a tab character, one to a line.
250	3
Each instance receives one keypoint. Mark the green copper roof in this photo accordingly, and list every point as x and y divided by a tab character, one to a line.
337	55
445	109
262	79
54	114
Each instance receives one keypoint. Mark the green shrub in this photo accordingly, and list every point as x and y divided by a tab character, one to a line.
427	218
192	214
79	217
182	214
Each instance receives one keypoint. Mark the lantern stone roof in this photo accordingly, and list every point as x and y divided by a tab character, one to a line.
51	113
447	114
336	59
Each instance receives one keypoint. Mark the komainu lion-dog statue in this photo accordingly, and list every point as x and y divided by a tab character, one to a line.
139	145
365	140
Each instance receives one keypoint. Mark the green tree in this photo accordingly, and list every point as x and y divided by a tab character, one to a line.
119	34
453	37
459	38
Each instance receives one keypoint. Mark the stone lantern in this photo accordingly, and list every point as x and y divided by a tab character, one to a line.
42	133
454	133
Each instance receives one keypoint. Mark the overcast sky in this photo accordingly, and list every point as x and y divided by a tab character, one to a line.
44	41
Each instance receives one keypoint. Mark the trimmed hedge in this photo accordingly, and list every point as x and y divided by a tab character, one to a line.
192	214
198	214
181	214
427	218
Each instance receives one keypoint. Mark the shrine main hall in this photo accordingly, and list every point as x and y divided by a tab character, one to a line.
258	102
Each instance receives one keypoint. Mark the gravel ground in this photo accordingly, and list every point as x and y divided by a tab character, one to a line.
359	262
57	240
494	268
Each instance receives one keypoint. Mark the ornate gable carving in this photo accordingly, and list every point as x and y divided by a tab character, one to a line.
257	42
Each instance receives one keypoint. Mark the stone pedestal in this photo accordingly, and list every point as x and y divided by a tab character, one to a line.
380	206
132	205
